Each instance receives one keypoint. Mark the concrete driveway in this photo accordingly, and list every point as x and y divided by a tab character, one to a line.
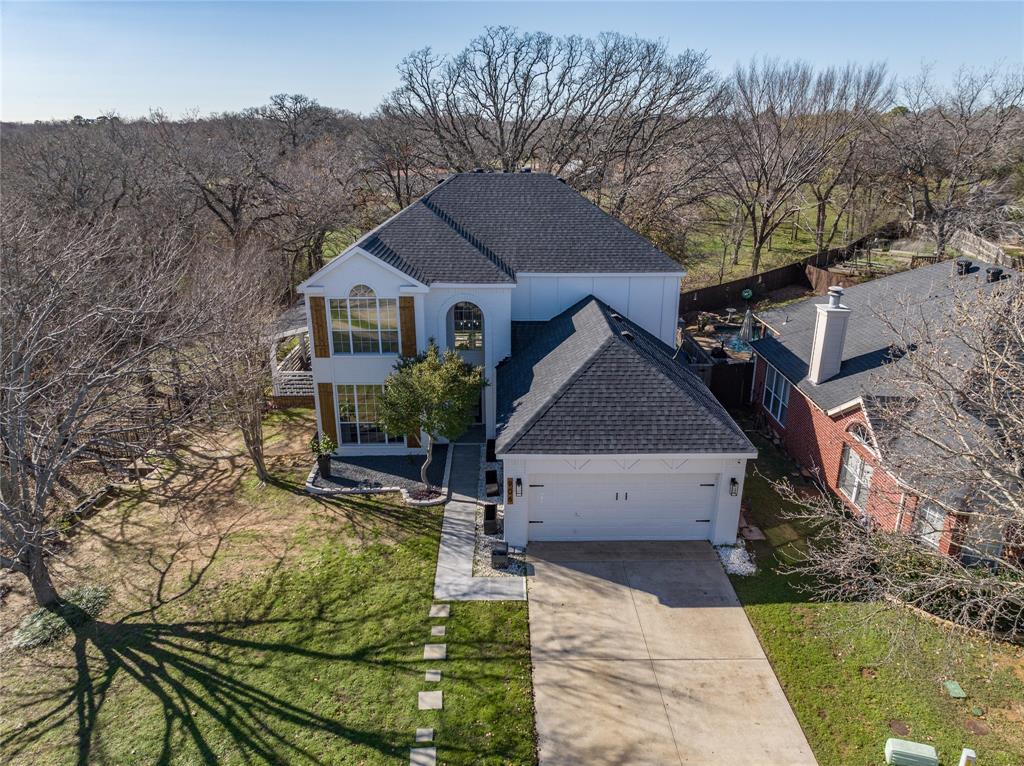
643	655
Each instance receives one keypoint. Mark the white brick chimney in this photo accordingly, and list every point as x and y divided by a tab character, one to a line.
829	337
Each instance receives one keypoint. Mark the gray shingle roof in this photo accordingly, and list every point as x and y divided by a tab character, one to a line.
579	387
927	291
485	227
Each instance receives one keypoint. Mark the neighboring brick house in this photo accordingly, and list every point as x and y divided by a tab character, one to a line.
815	373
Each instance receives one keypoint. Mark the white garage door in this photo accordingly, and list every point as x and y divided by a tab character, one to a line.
626	507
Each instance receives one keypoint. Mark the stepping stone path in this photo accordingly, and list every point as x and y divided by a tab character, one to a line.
431	700
423	756
435	652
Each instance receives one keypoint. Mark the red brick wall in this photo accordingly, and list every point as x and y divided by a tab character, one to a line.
816	442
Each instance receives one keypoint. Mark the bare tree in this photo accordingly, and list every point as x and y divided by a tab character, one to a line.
487	105
229	166
92	367
618	117
393	157
948	419
300	119
948	148
242	295
783	125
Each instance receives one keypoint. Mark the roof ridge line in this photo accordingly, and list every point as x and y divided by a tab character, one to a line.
463	232
662	368
560	392
409	269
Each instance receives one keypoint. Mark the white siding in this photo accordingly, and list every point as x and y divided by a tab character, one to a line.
650	301
594	476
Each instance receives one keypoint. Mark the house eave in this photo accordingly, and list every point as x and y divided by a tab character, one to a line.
677	274
311	286
628	455
842	409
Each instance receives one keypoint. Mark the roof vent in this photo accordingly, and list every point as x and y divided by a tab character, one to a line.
526	170
617	317
628	335
993	274
963	265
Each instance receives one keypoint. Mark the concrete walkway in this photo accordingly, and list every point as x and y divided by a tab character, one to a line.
454	580
643	655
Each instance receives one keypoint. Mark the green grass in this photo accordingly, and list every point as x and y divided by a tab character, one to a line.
836	664
310	657
789	243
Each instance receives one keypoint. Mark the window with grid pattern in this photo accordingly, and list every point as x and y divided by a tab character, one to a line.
776	395
855	477
469	326
929	523
364	323
358	416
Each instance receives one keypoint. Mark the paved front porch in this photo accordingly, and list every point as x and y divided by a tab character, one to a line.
454	580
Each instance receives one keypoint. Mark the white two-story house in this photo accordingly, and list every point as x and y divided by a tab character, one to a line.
603	432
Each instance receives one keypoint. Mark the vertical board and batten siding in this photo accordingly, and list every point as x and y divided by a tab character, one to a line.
407	323
318	316
650	301
328	423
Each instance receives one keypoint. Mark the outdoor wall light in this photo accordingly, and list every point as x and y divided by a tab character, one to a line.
519	487
734	487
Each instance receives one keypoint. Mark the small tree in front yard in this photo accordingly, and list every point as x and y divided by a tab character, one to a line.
431	392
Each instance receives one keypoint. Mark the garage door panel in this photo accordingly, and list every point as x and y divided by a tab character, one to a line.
626	507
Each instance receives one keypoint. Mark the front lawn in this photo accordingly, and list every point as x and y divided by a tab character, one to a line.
850	684
255	624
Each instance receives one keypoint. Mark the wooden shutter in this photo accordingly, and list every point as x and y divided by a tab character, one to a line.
407	316
318	313
328	423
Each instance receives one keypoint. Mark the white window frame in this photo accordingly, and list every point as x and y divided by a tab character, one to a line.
933	534
853	465
775	397
346	303
477	336
389	439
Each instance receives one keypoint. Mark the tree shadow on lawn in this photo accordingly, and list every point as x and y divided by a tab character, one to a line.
225	680
215	682
185	667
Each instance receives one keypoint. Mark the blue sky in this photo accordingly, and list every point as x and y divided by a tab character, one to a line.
62	59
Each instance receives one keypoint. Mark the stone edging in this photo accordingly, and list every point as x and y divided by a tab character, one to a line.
1006	638
312	489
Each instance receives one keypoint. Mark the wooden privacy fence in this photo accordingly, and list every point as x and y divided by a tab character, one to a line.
983	249
717	296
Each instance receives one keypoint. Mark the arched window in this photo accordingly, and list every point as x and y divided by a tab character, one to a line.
468	323
860	433
363	323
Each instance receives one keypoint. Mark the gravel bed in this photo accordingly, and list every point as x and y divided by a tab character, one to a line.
482	555
736	559
378	471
